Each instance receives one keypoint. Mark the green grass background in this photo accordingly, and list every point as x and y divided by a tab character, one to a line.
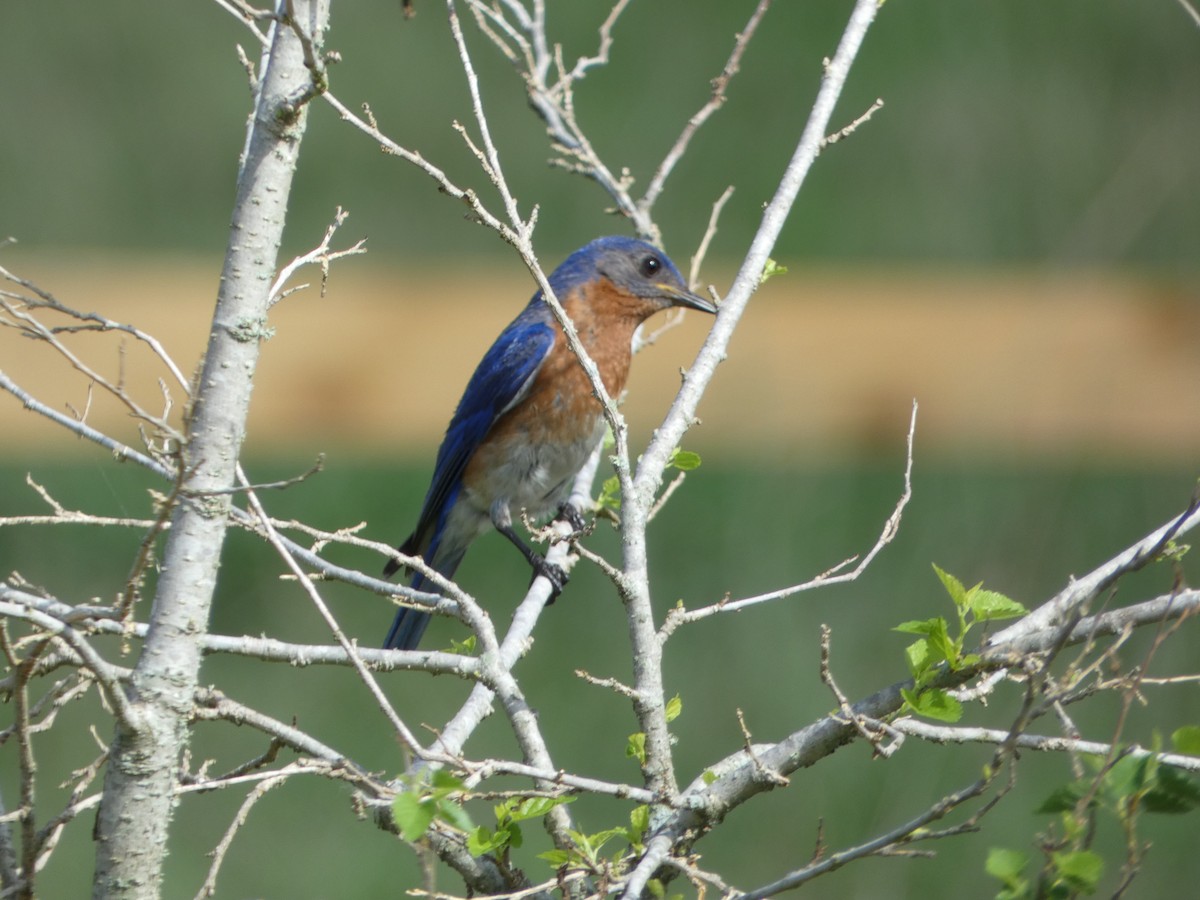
1024	131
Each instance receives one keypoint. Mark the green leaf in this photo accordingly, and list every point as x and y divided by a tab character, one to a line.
937	633
968	659
483	840
770	270
674	708
921	659
1186	740
584	843
556	858
1081	869
463	648
444	782
1174	791
515	838
413	815
1174	551
639	819
934	703
1065	798
600	838
636	748
684	460
534	807
943	645
1128	777
454	814
1007	865
992	605
610	494
939	645
922	626
708	776
953	586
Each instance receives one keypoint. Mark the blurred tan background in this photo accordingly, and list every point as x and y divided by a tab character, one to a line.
1078	364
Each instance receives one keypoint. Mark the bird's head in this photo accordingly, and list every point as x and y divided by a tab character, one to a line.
635	269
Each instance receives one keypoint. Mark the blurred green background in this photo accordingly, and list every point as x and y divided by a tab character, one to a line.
1025	136
1024	131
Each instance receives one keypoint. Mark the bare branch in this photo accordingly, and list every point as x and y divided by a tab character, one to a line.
853	126
320	255
209	887
957	734
715	102
676	616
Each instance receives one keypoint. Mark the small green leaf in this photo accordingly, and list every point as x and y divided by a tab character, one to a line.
452	813
463	648
610	494
1174	551
1081	869
413	815
770	270
600	838
674	708
1007	865
934	703
708	776
992	605
922	626
636	748
968	659
937	633
556	858
1065	798
921	659
515	838
684	460
1128	776
639	819
1186	740
584	843
444	782
483	840
535	807
953	586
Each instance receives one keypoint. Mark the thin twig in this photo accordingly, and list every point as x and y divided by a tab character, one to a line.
676	617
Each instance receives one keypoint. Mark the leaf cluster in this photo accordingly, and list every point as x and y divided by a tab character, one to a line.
1122	789
941	648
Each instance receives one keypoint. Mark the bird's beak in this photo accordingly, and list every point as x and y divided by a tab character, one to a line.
680	297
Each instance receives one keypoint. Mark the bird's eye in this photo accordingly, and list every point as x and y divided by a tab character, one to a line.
650	266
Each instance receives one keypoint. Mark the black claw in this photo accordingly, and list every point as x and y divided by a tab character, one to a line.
553	573
573	517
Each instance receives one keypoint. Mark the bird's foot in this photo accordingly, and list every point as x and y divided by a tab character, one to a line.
573	517
555	574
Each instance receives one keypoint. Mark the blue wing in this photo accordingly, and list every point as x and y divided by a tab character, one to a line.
501	379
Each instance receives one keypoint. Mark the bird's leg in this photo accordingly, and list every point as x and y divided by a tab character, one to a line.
556	575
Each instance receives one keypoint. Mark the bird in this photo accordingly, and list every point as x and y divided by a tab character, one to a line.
529	419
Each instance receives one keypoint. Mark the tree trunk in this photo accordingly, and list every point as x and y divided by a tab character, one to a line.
143	765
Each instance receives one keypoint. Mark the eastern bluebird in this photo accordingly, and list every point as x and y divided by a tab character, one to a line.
528	419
